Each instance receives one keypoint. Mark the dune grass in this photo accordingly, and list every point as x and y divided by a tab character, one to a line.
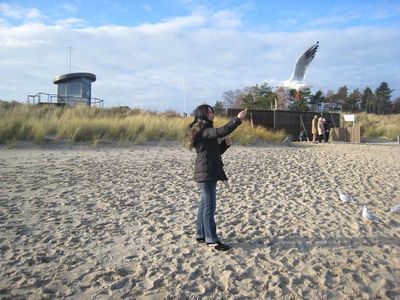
40	124
246	135
379	126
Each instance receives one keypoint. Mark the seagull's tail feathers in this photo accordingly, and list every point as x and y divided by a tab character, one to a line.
377	220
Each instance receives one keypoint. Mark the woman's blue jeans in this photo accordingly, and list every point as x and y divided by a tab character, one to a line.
206	228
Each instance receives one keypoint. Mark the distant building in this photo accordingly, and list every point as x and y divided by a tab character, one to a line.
329	107
74	88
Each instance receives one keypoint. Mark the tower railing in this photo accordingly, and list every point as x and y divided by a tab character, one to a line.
45	98
42	98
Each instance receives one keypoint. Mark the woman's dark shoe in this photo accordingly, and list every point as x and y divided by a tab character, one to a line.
200	241
218	246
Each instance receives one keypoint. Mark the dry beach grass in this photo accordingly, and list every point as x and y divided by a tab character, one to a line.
43	124
89	222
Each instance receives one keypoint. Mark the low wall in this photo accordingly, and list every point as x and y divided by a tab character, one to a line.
290	121
346	134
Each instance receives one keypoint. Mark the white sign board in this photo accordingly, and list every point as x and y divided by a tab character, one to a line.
349	118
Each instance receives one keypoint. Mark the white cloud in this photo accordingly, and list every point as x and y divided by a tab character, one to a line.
68	8
334	19
72	22
288	22
144	65
33	13
8	11
227	19
23	36
173	24
364	13
384	11
16	12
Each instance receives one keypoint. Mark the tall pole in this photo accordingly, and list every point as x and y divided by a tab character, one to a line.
70	54
184	95
118	103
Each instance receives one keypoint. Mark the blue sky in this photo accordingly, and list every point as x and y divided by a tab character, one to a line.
255	15
142	51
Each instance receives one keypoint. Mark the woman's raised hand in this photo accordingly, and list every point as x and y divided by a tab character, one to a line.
242	114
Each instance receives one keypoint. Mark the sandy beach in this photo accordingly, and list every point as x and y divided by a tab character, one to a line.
81	222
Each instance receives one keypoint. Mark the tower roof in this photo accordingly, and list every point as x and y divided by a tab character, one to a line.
70	76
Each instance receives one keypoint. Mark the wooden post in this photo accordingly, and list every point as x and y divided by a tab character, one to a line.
304	127
274	121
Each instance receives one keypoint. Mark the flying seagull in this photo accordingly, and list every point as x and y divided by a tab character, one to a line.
346	198
296	82
369	216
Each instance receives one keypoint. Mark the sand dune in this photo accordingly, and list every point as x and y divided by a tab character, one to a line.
82	222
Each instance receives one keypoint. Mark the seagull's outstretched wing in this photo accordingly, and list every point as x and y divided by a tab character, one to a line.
302	63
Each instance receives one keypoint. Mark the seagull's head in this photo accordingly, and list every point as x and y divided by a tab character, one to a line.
280	85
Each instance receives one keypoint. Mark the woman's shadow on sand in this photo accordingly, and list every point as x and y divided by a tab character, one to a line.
305	244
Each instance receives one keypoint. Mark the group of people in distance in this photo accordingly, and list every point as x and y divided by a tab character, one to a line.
320	129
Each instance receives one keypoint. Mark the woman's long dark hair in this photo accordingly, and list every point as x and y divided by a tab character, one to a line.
200	121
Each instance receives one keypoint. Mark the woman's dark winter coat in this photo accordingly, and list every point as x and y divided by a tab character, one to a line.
209	164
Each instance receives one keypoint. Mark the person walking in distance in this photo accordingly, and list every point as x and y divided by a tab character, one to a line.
320	129
326	130
208	169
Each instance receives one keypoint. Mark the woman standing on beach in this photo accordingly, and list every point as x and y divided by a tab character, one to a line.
209	167
314	129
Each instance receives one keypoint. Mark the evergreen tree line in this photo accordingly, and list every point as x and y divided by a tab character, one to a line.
263	97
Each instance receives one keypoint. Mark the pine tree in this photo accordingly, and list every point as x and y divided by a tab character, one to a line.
352	102
382	99
396	106
218	108
259	97
316	100
330	99
341	95
366	100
